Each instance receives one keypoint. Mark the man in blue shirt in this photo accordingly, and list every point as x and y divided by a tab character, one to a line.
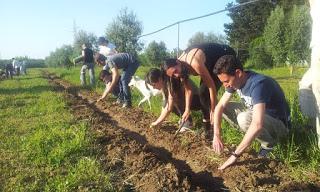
267	116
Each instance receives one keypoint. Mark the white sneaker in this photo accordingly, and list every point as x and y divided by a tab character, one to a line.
186	126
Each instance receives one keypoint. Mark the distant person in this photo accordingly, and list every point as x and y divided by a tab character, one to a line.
23	67
9	70
106	48
16	66
173	93
87	57
198	60
310	83
129	64
266	116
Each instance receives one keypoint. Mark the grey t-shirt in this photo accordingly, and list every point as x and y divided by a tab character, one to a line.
120	60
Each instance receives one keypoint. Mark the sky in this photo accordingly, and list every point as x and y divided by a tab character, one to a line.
34	28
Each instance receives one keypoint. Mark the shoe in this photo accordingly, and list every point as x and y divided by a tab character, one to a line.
186	126
263	153
126	105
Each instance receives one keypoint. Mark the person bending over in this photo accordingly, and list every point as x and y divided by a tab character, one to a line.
173	93
114	63
198	60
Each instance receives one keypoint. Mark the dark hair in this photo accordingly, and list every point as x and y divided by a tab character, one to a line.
171	62
227	64
99	57
88	45
103	74
102	40
153	76
171	85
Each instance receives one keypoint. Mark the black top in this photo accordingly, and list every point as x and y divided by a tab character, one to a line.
88	56
212	51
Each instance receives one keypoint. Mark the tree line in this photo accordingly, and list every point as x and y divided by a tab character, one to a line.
264	35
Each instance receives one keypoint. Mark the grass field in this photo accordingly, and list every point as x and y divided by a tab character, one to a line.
43	147
299	151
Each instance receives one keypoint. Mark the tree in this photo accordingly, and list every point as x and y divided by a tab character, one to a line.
248	23
124	32
61	57
258	57
175	53
200	37
298	36
274	36
156	53
81	37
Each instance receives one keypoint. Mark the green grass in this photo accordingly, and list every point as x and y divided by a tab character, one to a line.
43	147
299	151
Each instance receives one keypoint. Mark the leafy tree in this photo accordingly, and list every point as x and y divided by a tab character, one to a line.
288	5
298	35
124	32
81	37
259	58
274	36
61	57
200	37
156	53
142	57
248	23
175	53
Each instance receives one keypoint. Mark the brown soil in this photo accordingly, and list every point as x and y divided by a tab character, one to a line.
151	159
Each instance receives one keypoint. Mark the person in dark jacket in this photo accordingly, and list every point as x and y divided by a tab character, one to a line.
87	57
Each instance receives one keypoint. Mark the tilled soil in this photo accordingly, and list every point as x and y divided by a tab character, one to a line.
152	159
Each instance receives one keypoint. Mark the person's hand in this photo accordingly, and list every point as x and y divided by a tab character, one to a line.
154	124
185	116
232	159
98	100
217	145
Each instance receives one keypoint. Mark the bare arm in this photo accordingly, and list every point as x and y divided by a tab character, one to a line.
165	111
188	99
115	78
217	143
199	67
253	131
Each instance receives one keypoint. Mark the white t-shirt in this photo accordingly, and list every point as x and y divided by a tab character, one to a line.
108	50
315	14
16	64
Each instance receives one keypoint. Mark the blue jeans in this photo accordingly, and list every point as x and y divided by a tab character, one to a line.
125	93
90	67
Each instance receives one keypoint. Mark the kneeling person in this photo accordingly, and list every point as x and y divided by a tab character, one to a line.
267	117
173	93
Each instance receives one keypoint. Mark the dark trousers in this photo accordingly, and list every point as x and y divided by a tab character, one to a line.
204	94
9	72
179	107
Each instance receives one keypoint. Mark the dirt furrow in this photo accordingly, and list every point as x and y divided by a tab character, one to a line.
128	141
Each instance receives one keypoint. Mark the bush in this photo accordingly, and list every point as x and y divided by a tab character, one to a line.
259	58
